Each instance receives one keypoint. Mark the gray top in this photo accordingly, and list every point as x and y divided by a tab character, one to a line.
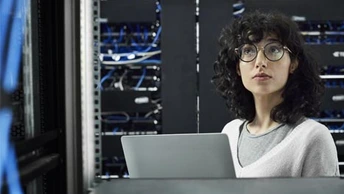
251	147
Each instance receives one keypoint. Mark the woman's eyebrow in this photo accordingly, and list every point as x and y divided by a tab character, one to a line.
273	40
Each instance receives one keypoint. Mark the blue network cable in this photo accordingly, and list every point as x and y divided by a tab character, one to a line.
107	76
329	25
9	71
131	38
118	49
108	39
154	41
310	26
152	61
12	172
158	6
141	78
342	26
156	38
116	42
6	6
5	120
14	54
138	31
132	52
138	48
341	83
115	130
120	118
145	35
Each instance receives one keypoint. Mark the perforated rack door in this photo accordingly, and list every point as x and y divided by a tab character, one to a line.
17	101
97	93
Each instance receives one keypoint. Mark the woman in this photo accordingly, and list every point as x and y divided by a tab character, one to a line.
272	85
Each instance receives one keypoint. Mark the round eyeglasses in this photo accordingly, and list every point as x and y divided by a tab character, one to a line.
273	51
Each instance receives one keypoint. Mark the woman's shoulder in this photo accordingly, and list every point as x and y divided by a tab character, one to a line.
232	126
311	128
317	140
311	125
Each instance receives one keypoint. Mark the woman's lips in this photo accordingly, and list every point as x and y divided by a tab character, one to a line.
261	76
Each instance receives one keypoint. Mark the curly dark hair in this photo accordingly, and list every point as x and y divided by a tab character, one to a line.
304	88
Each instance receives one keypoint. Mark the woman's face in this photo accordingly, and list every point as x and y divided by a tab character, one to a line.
262	76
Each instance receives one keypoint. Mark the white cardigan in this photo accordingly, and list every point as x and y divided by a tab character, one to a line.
308	151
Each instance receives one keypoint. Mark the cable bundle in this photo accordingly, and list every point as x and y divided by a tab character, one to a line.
126	48
12	19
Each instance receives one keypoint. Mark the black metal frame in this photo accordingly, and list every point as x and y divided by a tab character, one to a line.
39	167
52	89
213	17
179	77
35	65
122	11
72	96
24	147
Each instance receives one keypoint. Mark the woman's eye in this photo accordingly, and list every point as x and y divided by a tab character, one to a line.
274	49
247	51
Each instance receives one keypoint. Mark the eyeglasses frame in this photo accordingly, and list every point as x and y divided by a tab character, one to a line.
262	48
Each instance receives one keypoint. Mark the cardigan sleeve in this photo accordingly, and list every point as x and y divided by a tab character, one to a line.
320	155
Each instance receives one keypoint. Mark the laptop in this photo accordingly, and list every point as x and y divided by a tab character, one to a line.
205	155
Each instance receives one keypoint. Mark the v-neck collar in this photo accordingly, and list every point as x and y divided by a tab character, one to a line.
266	156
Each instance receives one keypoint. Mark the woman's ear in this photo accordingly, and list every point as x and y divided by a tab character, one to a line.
293	66
238	69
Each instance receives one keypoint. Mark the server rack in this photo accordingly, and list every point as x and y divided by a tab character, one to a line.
37	130
180	77
127	78
188	100
46	122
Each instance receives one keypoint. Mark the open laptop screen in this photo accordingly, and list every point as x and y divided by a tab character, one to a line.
205	155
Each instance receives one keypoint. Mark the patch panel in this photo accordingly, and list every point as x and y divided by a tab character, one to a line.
114	165
332	70
135	122
322	32
333	76
129	78
130	81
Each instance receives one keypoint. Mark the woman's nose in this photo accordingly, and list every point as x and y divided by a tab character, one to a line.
261	60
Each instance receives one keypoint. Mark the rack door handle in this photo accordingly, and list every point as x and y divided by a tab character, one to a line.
337	98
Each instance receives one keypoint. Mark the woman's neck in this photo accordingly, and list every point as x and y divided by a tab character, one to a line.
263	121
